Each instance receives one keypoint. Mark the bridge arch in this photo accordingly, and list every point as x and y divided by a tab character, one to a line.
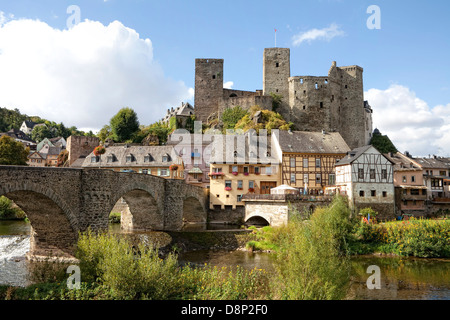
193	210
144	210
54	224
257	220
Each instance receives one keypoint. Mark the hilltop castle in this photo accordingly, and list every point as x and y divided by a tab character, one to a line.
313	103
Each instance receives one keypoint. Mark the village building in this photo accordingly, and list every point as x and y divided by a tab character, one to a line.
195	156
237	169
161	161
367	178
309	158
28	126
21	137
409	185
180	114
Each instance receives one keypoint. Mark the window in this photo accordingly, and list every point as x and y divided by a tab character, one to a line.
148	158
292	177
321	105
361	193
165	158
268	170
413	178
383	173
404	179
277	65
305	178
129	158
372	174
239	197
234	169
317	163
305	163
318	178
415	192
251	184
331	179
257	171
145	171
245	170
227	183
361	173
373	193
164	172
239	184
384	194
217	170
95	159
110	158
442	173
292	162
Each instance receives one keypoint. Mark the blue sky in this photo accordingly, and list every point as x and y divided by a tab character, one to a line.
406	70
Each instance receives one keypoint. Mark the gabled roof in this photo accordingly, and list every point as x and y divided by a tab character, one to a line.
356	153
312	142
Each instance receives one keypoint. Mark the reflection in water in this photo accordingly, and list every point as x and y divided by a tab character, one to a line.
401	278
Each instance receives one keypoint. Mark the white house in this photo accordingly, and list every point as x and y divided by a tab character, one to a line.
366	176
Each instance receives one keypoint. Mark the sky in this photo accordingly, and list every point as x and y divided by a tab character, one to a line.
80	62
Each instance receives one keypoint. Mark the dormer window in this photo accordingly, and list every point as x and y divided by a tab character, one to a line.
130	158
165	158
148	158
111	158
95	159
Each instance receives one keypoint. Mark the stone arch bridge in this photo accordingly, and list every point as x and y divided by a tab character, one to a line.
61	202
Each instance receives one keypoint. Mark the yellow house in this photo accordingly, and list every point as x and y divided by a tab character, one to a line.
238	171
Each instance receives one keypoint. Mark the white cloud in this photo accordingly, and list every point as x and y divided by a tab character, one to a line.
84	75
410	122
321	34
228	84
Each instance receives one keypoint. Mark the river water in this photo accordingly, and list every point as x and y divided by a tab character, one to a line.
401	278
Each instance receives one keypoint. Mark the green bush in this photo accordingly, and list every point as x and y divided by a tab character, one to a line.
312	262
8	211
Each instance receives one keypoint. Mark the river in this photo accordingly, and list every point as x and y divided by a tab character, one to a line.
401	278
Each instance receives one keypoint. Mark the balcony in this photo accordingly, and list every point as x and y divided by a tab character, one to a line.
285	197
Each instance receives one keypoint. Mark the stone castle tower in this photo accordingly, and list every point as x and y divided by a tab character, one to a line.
313	103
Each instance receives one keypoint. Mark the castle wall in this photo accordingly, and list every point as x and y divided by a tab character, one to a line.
80	146
245	102
208	87
276	73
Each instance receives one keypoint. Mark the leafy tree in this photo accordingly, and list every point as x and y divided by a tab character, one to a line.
276	101
124	125
231	116
40	132
12	152
104	133
382	143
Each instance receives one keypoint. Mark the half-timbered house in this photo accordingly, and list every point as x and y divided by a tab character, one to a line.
309	158
366	176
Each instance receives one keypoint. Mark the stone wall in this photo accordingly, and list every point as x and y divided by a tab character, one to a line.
80	146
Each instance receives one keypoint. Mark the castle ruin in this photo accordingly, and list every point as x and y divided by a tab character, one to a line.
333	103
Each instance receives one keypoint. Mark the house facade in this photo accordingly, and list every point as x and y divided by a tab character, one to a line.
367	178
309	158
161	161
409	185
236	170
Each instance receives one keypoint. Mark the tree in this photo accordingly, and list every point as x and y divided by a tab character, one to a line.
231	116
12	152
39	133
382	143
124	125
